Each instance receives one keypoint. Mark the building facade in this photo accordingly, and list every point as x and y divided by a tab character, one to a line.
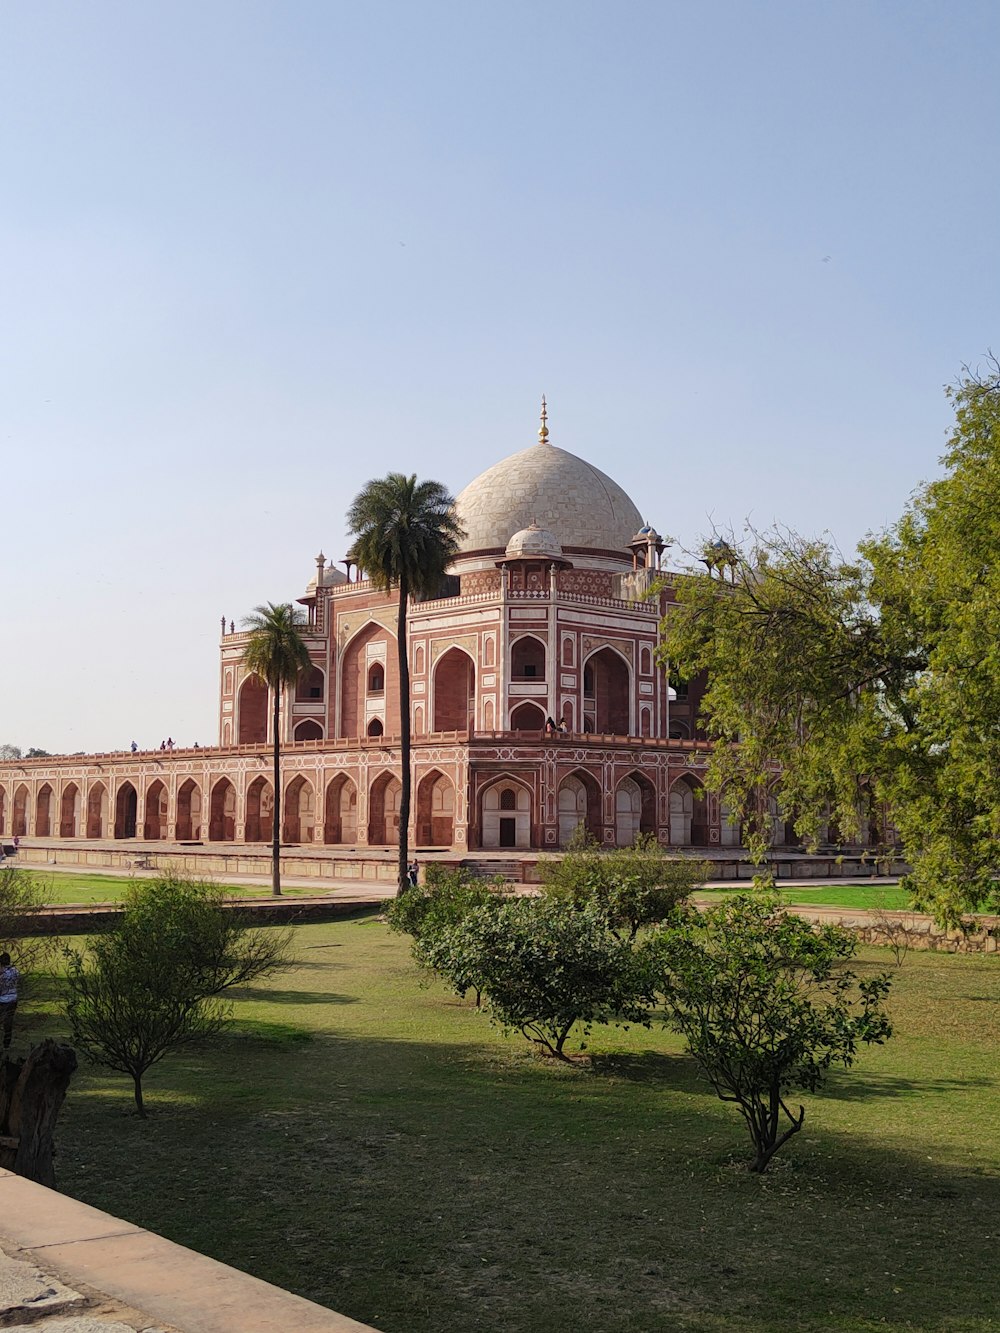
538	704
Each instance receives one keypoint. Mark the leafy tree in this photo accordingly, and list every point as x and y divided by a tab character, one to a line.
277	654
8	751
151	985
868	682
766	1007
405	536
632	886
35	753
541	966
22	897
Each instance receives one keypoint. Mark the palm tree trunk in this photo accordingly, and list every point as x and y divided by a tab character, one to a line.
404	738
276	823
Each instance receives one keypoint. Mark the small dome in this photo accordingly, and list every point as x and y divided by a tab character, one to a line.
533	541
332	578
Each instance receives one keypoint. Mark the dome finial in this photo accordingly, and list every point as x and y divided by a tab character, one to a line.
543	430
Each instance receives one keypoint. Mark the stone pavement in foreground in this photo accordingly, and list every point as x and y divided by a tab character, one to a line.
68	1268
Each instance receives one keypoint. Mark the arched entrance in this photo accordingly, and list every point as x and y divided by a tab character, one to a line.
19	824
527	659
527	717
97	810
308	731
69	811
126	805
607	693
435	811
579	806
43	811
155	825
730	832
309	686
252	723
506	816
260	811
222	813
188	812
369	682
383	810
687	814
3	810
299	811
454	692
635	809
340	824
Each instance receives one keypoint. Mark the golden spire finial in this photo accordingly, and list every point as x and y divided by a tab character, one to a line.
543	430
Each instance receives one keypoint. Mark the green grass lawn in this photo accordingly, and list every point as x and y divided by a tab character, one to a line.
67	887
888	897
371	1142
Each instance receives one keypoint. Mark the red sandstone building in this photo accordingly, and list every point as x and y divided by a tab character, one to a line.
544	615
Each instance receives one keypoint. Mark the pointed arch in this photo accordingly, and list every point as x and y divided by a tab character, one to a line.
299	811
252	712
260	811
222	812
505	814
357	700
435	810
188	827
97	811
43	811
19	823
69	811
635	809
383	810
3	810
155	826
607	692
687	813
527	717
579	806
454	686
340	823
308	730
126	808
311	685
527	659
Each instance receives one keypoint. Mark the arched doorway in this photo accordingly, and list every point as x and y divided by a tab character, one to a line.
527	659
635	809
369	682
19	824
222	813
155	825
527	717
579	807
340	824
308	731
252	722
383	810
506	816
97	810
310	685
43	811
69	811
454	692
3	810
687	814
607	693
299	811
435	811
188	812
260	811
126	805
730	832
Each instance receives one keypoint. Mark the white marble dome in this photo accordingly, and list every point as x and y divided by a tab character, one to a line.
556	491
533	541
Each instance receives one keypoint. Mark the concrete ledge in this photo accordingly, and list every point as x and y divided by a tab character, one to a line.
168	1283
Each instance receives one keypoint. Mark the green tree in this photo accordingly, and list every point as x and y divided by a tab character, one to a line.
22	896
766	1007
151	984
633	887
405	535
276	653
541	966
873	682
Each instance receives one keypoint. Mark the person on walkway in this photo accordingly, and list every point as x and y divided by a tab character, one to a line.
550	725
413	873
9	977
134	747
17	843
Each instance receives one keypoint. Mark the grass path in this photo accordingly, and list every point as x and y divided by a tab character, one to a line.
69	887
372	1143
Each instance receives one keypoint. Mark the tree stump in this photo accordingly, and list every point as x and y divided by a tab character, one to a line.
31	1093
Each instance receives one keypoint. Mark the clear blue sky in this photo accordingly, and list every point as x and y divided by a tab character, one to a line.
253	254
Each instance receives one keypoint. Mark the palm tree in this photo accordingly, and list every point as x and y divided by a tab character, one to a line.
405	534
276	653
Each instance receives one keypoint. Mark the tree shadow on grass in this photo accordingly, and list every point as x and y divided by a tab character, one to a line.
266	995
670	1070
858	1086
